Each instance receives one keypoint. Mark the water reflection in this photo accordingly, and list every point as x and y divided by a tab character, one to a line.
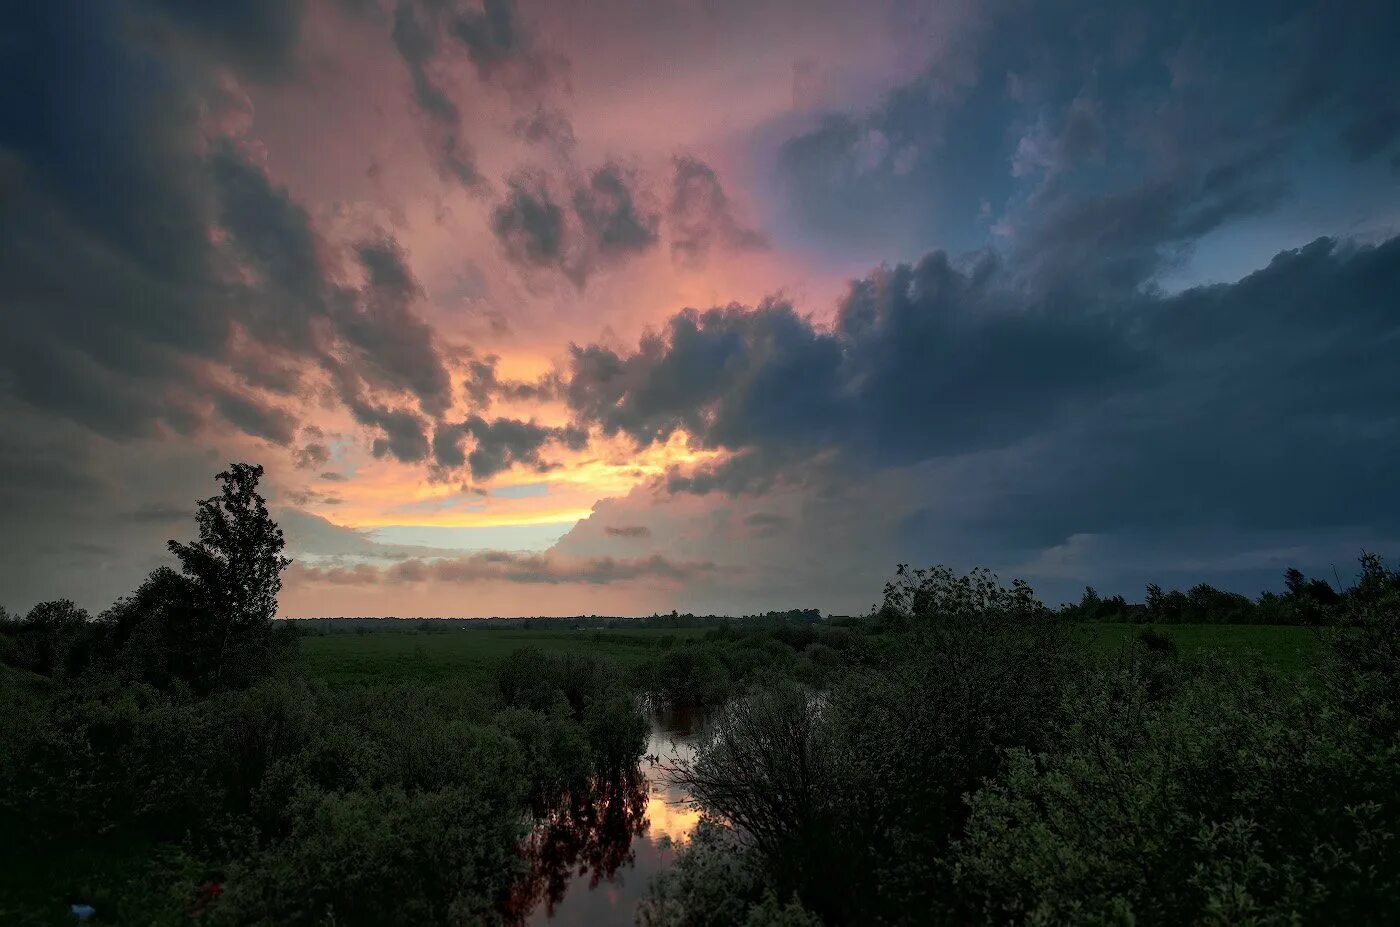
587	839
592	858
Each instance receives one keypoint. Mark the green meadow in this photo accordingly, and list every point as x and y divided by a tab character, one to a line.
376	657
382	657
1289	648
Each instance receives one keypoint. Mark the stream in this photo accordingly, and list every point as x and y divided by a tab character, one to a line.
592	863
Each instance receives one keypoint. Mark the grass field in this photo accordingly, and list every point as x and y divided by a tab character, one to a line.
463	656
460	656
1292	649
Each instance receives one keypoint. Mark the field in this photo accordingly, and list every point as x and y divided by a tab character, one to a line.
1291	649
460	656
463	656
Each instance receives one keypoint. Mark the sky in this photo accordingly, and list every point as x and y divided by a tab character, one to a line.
716	305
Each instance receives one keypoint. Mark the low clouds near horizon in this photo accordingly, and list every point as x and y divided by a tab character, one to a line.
1086	296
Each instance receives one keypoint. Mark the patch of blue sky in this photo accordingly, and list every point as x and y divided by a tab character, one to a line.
460	503
522	491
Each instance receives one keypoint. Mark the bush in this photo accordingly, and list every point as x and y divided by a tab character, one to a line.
851	796
1228	800
715	881
384	857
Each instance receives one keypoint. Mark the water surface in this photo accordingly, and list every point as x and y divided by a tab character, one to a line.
592	862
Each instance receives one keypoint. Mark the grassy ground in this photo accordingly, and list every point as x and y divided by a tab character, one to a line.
1293	650
463	656
460	656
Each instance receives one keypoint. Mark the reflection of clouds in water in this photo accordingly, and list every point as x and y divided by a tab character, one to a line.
668	819
620	852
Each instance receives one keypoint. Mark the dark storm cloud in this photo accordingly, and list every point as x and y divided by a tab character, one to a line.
260	37
416	37
1061	100
403	434
910	345
1050	151
396	346
602	222
529	223
492	35
1276	410
139	256
609	214
1090	247
1372	132
427	33
499	445
254	417
701	217
1266	404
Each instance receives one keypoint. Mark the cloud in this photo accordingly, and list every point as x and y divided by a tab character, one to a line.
505	566
1372	132
428	34
529	223
1087	247
1235	406
261	37
482	386
921	360
1052	107
627	531
312	455
701	216
1081	136
396	348
254	417
547	126
156	513
498	445
602	223
148	281
303	497
608	212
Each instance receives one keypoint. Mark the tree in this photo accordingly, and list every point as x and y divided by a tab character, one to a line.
52	639
235	571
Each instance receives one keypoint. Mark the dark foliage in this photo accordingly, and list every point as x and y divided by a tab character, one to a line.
968	767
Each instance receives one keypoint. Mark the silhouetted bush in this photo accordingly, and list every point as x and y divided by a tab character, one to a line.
851	795
389	856
53	639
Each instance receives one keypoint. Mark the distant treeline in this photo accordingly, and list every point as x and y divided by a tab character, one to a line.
675	621
1305	601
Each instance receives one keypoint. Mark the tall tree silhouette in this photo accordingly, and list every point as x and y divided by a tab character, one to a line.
235	569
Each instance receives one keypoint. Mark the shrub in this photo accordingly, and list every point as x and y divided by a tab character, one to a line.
384	857
1226	801
715	881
